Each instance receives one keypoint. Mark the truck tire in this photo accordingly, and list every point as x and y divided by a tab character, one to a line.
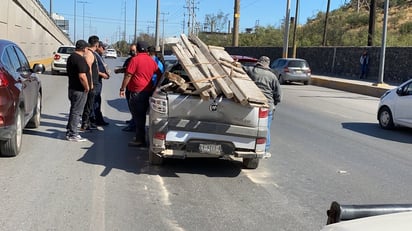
34	122
154	159
250	163
12	146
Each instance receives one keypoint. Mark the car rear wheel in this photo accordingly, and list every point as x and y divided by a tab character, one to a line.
250	163
305	82
35	120
385	118
12	146
154	159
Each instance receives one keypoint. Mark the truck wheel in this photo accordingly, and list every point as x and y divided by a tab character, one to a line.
34	122
12	146
154	159
250	163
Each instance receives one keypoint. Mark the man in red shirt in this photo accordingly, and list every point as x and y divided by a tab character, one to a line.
138	78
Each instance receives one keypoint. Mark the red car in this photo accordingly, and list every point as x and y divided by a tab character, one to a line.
245	60
20	97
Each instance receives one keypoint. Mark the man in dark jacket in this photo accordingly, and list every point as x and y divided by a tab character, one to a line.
267	81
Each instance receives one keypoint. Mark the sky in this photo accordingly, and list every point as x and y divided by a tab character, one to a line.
110	18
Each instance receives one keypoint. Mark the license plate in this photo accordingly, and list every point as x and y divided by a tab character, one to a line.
210	148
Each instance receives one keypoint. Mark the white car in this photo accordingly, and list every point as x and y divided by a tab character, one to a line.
60	59
111	53
395	107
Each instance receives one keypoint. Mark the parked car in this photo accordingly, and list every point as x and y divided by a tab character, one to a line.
395	107
291	70
60	59
111	53
185	126
21	97
245	60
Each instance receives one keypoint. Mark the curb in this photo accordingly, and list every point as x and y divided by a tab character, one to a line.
359	87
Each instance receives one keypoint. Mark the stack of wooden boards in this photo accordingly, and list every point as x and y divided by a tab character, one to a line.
212	71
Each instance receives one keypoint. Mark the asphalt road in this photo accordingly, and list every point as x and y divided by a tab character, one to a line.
326	146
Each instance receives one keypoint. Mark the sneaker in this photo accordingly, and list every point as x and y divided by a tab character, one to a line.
76	138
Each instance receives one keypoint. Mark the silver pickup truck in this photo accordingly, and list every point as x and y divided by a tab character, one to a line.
184	125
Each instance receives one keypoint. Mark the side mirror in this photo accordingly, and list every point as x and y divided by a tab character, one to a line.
399	91
39	68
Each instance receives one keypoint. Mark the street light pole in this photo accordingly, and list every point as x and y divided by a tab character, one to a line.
383	49
135	24
83	2
74	20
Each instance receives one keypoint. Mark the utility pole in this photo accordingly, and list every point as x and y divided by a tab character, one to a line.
135	23
286	35
51	8
157	25
163	32
236	17
326	24
371	31
294	29
124	32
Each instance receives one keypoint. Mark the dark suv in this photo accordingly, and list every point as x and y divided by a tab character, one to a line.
20	97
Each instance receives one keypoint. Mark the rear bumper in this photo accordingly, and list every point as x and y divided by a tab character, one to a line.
58	67
183	141
297	78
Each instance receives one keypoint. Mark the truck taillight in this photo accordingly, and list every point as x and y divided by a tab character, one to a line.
158	105
159	136
261	140
263	112
3	80
56	57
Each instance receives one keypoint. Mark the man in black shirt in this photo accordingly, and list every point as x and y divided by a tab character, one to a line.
79	74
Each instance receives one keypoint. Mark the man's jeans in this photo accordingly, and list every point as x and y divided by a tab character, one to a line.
88	108
270	118
139	103
77	102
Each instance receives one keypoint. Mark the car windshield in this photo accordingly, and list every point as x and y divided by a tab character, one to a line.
65	50
111	50
297	63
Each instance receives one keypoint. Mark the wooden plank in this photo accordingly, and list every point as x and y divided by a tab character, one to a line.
191	70
202	63
245	84
214	66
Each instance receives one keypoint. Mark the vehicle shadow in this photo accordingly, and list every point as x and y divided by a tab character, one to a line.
114	153
403	135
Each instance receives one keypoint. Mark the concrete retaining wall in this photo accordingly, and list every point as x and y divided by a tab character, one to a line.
26	23
343	61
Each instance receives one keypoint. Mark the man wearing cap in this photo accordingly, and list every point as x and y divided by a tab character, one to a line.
268	83
79	73
137	79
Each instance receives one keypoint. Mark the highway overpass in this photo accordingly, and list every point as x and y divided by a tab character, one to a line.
28	24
